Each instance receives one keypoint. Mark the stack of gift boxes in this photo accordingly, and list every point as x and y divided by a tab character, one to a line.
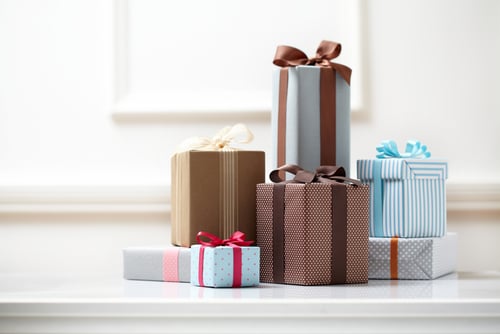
312	225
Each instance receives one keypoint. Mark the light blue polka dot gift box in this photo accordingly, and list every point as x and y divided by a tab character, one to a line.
407	191
224	263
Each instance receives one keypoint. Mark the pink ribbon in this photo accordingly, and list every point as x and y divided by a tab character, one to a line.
236	240
171	264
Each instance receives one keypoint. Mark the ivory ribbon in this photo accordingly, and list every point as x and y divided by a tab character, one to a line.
386	150
324	174
221	140
236	240
288	56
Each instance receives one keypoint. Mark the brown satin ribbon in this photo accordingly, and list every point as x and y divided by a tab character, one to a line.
279	233
333	175
339	234
287	56
283	91
394	258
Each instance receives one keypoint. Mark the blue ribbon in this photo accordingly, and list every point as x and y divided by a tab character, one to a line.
414	149
388	149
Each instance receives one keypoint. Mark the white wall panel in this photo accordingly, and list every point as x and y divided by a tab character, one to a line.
217	56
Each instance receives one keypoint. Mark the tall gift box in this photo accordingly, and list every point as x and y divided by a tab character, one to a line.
412	258
313	230
157	263
407	195
214	191
311	108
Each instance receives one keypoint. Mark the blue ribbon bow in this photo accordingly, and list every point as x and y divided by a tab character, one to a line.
414	149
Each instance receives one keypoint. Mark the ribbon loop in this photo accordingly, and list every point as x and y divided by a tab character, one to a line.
221	141
288	56
235	240
414	149
323	174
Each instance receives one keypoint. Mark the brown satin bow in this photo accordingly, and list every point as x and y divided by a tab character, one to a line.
323	174
288	56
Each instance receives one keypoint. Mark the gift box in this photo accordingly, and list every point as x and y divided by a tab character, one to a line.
412	258
214	191
225	263
159	263
313	230
311	108
407	196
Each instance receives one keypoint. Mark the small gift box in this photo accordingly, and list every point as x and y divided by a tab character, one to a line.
224	263
407	191
213	187
313	230
160	263
311	108
412	258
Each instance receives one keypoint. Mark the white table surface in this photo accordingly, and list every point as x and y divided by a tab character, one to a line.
456	303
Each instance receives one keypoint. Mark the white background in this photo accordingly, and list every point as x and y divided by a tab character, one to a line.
89	114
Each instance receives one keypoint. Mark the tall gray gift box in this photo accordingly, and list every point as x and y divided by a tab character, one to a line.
298	99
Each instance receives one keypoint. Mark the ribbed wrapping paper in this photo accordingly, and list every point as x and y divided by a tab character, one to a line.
157	263
214	192
412	258
412	200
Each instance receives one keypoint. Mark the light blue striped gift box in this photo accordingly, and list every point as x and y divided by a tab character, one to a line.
407	196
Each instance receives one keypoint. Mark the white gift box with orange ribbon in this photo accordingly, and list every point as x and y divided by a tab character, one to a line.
412	258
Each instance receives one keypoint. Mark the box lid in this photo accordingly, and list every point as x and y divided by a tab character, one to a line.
398	169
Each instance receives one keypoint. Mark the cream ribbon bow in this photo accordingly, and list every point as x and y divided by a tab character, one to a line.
219	142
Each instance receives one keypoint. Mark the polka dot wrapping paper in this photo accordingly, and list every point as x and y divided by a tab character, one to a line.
215	266
305	252
412	258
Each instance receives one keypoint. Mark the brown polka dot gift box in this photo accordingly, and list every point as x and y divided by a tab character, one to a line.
313	229
213	186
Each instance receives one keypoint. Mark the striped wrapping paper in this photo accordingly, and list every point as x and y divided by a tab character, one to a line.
407	196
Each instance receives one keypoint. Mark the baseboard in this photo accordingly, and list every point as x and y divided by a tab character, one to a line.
156	199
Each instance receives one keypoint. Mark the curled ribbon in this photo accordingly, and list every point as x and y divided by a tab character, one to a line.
288	56
219	142
414	149
236	239
323	174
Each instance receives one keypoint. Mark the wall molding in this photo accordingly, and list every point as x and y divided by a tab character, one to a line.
84	199
461	197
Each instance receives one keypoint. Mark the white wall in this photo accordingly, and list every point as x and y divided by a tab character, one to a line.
429	70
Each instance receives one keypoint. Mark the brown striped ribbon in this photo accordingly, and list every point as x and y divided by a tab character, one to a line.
394	258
